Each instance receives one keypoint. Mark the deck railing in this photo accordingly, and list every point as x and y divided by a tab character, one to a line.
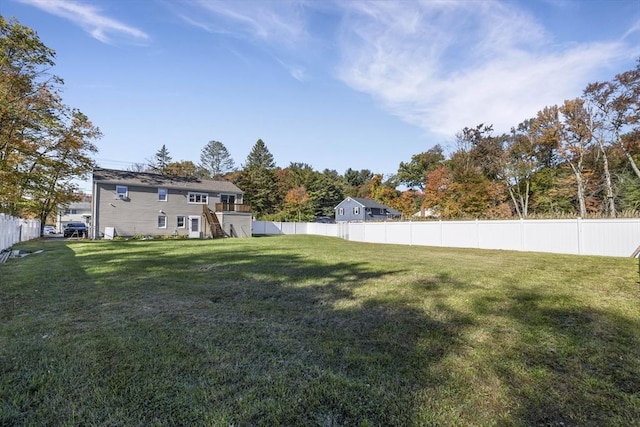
232	207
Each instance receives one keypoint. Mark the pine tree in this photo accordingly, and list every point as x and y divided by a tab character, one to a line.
258	180
161	160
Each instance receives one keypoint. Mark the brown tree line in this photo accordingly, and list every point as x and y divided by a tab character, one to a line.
577	158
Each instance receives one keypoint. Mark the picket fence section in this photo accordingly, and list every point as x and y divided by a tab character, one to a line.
606	237
15	230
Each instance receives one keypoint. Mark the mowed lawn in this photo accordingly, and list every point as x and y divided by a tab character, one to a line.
308	330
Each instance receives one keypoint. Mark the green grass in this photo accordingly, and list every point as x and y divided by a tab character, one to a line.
307	330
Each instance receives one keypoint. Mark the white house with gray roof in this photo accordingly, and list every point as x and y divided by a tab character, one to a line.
139	203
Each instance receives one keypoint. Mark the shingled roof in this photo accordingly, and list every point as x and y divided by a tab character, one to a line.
145	179
368	203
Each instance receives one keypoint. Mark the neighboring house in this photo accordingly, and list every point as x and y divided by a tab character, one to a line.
134	203
358	209
73	212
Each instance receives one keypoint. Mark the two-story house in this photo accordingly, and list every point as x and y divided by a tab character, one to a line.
138	203
73	212
359	209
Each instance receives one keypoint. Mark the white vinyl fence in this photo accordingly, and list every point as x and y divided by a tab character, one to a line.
607	237
15	230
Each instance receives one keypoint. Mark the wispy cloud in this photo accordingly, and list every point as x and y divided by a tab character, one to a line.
90	18
450	64
438	64
279	22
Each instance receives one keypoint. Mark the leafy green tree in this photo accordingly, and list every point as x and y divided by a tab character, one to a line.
215	158
413	173
325	192
356	182
44	144
185	168
258	180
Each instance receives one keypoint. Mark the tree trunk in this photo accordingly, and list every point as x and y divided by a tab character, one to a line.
611	203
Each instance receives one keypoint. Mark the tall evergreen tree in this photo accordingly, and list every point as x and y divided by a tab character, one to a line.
215	158
258	180
161	160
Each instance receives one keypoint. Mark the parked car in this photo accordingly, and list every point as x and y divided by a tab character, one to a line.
49	229
324	220
76	229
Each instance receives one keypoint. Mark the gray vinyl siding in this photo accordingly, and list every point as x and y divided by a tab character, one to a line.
139	214
368	210
348	215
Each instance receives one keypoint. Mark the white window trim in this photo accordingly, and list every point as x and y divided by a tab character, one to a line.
184	221
165	221
340	211
166	194
193	193
356	210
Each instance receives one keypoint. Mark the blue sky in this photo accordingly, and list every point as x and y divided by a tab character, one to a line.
333	83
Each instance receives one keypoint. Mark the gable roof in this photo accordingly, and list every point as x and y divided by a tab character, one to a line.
369	203
146	179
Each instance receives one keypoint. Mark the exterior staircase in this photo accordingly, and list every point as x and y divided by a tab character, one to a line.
212	220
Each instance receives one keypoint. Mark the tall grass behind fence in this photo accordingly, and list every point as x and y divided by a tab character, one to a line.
15	230
607	237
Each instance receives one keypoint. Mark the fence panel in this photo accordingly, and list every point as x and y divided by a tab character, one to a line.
618	238
607	237
15	230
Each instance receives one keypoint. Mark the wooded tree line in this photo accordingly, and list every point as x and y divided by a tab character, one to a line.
579	158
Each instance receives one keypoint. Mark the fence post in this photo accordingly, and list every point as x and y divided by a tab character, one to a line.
580	239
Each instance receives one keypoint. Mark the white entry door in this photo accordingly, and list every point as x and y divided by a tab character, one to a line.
194	227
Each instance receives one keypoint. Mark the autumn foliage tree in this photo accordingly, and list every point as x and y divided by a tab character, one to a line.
44	144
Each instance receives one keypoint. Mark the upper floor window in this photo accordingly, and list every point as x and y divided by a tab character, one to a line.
200	198
122	192
162	194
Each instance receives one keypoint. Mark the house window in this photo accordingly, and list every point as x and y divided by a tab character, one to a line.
122	192
162	194
199	198
180	222
356	210
340	211
162	221
227	199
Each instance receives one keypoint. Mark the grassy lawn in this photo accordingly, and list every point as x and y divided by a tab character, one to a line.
307	330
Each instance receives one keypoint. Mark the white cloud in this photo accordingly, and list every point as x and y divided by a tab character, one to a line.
450	64
89	18
274	21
